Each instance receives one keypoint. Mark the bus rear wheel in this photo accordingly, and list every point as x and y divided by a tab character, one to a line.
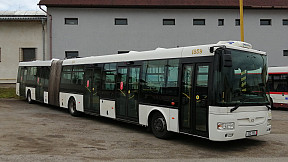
159	126
29	99
72	107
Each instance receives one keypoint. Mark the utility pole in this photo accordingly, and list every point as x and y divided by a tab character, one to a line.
241	20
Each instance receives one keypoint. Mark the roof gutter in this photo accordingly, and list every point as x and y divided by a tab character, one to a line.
50	32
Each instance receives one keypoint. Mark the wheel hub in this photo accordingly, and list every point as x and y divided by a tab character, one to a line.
159	124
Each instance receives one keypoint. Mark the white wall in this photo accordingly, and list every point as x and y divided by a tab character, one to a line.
96	33
13	36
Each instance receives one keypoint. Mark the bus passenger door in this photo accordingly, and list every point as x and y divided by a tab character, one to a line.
92	87
194	99
127	92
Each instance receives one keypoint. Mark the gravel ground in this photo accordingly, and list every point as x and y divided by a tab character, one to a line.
38	132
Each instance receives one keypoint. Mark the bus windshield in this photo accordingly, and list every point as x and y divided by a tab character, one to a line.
245	82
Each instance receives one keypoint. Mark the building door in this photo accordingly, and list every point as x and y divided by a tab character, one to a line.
127	92
194	99
92	86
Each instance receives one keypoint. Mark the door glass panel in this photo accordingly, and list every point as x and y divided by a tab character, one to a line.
121	92
201	96
88	89
186	96
95	99
133	92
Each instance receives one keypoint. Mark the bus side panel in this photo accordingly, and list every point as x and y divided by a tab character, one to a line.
64	99
46	97
145	111
107	108
173	120
18	89
32	90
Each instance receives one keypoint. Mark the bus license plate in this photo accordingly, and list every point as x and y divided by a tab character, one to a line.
251	133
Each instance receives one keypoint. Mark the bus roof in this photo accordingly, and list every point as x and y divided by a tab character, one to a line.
37	63
159	53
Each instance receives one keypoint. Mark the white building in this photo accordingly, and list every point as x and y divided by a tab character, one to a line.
97	27
22	38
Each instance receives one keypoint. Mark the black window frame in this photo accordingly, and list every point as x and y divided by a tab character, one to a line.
71	52
121	52
197	22
220	22
169	22
265	22
285	52
120	21
70	21
237	22
25	54
285	22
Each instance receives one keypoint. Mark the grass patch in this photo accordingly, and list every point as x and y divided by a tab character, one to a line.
8	93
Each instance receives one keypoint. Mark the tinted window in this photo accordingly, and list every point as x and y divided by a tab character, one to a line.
168	21
71	21
109	74
160	82
198	21
121	21
265	22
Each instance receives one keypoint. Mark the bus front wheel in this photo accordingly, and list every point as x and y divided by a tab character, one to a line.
159	126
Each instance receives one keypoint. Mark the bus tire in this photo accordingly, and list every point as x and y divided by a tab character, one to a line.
271	104
159	126
72	107
29	99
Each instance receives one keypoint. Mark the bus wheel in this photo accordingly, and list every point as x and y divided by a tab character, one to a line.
271	103
159	126
29	99
72	107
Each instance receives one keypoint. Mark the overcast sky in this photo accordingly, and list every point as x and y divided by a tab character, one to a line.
13	5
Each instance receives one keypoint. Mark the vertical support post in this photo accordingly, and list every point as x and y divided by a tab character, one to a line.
241	20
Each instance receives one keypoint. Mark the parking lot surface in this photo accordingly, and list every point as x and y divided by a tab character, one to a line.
36	132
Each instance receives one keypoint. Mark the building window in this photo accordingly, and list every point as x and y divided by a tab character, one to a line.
27	54
237	22
220	22
265	22
71	21
121	21
120	52
168	21
285	21
285	52
71	54
198	21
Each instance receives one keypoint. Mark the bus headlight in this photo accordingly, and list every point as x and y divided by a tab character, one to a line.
226	126
268	122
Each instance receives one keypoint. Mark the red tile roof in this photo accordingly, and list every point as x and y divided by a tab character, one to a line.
166	3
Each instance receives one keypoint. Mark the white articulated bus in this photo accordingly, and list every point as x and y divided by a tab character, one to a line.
215	91
278	86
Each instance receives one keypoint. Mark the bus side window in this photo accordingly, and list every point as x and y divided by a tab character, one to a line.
109	80
160	82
